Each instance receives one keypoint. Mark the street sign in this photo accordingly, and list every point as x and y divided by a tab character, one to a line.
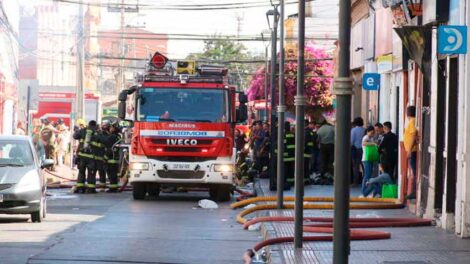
371	81
452	40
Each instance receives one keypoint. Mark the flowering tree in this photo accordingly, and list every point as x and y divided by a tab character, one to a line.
318	81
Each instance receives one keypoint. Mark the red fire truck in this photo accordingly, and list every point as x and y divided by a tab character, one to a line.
183	128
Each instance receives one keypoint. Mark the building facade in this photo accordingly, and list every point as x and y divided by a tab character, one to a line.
435	83
9	27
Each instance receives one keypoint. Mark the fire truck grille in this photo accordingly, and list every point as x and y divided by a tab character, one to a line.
183	174
181	158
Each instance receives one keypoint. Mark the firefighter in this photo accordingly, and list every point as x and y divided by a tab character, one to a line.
86	161
242	169
99	150
48	137
310	141
112	156
289	154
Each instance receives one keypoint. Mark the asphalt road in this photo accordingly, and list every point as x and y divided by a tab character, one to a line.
113	228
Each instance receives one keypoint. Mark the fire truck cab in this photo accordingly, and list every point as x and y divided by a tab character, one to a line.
183	128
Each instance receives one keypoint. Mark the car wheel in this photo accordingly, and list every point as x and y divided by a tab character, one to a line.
138	190
44	209
153	189
37	216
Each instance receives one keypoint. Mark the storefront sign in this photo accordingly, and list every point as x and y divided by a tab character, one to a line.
452	39
371	81
384	63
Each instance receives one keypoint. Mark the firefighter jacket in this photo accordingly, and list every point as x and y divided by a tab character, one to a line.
289	147
112	152
98	145
310	143
84	136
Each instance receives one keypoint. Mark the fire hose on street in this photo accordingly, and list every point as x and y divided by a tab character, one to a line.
325	224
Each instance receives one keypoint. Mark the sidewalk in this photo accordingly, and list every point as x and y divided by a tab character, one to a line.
407	245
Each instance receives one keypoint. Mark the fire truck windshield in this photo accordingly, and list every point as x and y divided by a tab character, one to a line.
187	105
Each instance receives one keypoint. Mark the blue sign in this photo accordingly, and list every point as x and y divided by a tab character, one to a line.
371	81
452	40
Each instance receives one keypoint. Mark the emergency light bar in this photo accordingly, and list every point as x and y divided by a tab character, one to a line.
212	70
158	61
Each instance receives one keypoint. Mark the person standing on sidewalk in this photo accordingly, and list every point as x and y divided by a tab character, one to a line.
367	142
388	150
326	138
411	146
357	134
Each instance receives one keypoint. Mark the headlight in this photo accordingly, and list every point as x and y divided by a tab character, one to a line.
29	182
139	166
223	168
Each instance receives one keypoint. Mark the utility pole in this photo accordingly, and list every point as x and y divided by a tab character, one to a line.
281	109
123	52
272	163
79	94
343	90
300	101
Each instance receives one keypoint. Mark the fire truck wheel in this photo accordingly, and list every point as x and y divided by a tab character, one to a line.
153	189
220	193
138	190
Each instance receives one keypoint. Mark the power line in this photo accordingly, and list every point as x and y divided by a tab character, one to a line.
186	7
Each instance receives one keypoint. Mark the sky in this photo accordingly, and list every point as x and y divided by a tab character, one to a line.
224	22
252	23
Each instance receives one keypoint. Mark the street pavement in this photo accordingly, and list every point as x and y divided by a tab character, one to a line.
411	245
113	228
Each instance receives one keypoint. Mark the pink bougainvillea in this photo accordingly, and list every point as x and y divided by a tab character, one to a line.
318	81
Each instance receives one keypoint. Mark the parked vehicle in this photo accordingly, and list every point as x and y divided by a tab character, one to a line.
22	185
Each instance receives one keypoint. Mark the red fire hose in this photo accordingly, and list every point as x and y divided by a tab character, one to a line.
355	235
353	222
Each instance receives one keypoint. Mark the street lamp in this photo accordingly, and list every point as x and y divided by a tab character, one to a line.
273	17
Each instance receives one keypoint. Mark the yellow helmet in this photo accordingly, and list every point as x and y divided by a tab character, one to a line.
81	122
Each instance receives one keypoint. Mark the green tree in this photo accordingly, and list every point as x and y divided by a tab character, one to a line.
233	55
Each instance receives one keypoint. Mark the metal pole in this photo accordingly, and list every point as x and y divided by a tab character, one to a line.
272	163
300	101
266	75
123	52
28	98
343	90
80	109
281	110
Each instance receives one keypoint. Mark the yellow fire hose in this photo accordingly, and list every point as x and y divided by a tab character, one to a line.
313	199
356	203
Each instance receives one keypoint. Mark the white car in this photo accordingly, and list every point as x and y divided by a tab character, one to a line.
22	185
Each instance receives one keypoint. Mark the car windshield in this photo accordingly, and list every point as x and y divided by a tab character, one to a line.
190	105
15	153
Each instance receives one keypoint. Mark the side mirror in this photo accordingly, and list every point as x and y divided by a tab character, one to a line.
47	163
242	98
123	95
242	113
122	109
